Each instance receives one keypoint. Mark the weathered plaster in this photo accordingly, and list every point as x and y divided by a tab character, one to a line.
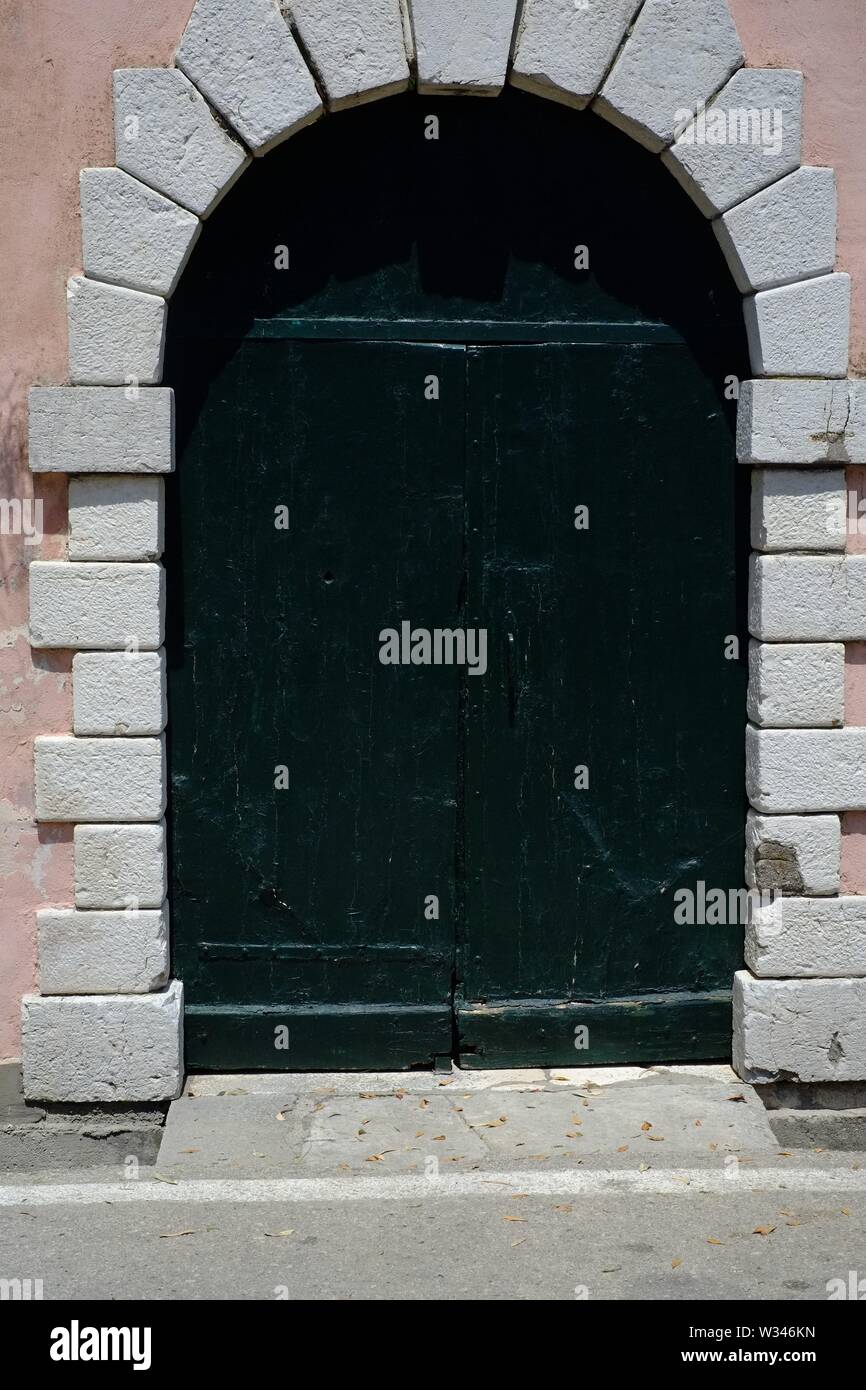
825	40
55	113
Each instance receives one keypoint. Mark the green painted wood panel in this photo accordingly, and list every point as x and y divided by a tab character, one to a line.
309	900
607	652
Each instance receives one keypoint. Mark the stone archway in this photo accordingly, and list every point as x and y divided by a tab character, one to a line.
107	1024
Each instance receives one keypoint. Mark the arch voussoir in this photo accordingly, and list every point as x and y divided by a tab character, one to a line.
462	48
166	135
357	49
242	56
675	56
787	232
716	156
131	235
564	51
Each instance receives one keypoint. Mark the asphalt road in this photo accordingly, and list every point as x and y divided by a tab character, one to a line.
631	1186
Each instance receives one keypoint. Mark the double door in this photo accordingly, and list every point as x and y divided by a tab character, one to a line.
452	711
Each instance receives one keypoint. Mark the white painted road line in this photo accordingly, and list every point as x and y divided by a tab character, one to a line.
687	1182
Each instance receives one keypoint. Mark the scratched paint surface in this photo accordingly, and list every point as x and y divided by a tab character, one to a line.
314	894
306	387
608	654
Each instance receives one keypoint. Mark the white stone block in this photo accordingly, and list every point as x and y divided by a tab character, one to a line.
807	937
759	115
116	517
107	607
802	329
808	598
679	53
131	235
563	51
242	56
799	1030
792	854
796	685
116	335
100	1048
801	770
102	952
166	135
783	234
801	422
101	429
118	693
463	46
99	779
120	866
357	48
798	508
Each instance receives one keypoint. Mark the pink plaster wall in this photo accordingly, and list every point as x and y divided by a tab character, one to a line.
56	60
826	40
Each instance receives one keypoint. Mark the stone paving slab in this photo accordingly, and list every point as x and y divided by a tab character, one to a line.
424	1082
421	1123
224	1136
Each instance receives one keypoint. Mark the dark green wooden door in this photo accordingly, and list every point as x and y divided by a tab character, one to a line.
379	866
604	761
314	790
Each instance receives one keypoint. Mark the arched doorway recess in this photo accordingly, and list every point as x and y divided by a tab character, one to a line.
455	390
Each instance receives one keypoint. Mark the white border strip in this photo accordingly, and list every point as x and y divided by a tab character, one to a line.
686	1182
